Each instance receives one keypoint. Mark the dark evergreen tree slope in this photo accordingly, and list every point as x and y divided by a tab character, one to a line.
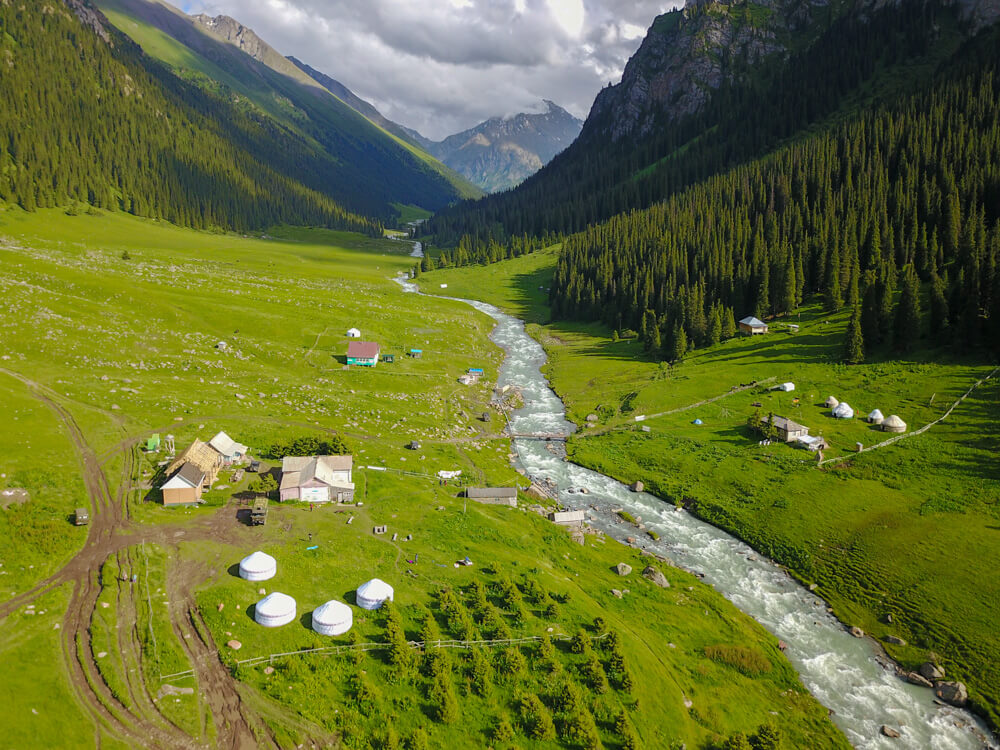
901	194
830	69
94	121
367	168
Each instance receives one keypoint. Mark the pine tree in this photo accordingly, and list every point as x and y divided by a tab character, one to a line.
939	305
907	328
680	344
854	345
832	297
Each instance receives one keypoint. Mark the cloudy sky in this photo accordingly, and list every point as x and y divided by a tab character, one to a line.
441	66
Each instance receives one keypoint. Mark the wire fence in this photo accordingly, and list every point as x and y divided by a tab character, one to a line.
923	429
416	645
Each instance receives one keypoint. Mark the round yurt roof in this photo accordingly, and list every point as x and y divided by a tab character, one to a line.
275	609
843	410
373	593
332	618
832	402
877	414
894	422
258	566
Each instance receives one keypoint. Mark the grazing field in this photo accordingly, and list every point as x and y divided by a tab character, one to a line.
561	586
907	533
115	328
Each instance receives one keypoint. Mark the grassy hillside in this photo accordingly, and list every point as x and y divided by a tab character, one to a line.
368	159
110	327
906	532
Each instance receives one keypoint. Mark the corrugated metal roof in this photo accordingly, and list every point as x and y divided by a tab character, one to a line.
474	492
362	350
189	475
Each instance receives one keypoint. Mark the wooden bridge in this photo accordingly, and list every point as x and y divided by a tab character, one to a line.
551	436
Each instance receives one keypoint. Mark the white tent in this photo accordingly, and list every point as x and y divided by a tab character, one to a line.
894	424
832	402
843	410
274	610
353	333
258	567
876	417
332	618
786	387
371	595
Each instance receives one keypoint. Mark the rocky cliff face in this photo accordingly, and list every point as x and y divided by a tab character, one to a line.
689	53
90	17
502	152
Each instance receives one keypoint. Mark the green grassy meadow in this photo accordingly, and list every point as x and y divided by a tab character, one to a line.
507	543
908	531
110	328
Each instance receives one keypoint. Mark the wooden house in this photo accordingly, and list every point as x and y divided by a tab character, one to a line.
185	486
751	326
204	457
363	353
786	429
317	479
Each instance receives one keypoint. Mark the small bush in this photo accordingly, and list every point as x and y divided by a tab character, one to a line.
743	659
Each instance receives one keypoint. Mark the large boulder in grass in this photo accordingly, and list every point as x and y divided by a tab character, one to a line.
953	693
654	575
623	569
931	671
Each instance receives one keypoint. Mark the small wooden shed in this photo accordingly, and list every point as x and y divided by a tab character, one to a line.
751	326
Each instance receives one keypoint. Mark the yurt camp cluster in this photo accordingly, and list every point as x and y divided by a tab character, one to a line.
843	410
331	618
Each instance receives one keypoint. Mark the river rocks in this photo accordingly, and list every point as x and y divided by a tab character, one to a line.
914	678
638	486
623	569
856	631
953	693
592	418
889	731
895	640
931	671
616	593
577	536
652	574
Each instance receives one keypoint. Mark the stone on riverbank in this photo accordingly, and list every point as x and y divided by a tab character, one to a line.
856	631
931	671
652	574
895	640
953	693
915	678
623	569
889	731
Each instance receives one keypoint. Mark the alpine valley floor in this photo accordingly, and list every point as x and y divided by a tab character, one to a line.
116	634
900	541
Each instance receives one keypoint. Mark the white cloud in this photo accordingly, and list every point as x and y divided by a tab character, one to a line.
441	67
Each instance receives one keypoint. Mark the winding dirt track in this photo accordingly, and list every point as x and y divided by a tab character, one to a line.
110	535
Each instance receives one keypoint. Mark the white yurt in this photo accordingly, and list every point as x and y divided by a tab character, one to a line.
258	567
832	403
371	595
894	424
787	387
274	610
843	410
332	618
876	417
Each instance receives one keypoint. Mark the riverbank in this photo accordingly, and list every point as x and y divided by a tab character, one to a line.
867	535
